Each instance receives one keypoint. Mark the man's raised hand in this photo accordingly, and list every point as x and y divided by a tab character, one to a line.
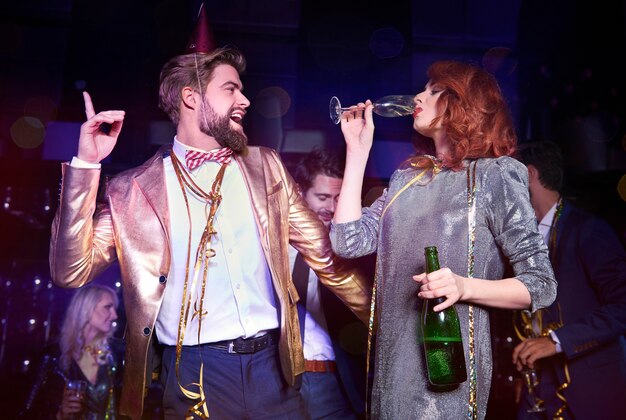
96	140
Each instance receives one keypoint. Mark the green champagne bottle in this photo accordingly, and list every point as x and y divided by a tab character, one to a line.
441	333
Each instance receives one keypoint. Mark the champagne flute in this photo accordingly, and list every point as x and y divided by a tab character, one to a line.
531	379
76	387
529	325
387	106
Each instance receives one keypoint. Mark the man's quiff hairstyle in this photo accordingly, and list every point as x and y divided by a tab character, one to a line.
187	70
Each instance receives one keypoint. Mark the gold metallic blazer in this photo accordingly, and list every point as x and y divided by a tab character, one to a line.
132	226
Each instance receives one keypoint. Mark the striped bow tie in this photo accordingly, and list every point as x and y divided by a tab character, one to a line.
195	159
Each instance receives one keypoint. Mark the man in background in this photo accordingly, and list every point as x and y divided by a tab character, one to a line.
581	354
333	384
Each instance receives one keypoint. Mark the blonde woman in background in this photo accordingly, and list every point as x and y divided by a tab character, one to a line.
86	352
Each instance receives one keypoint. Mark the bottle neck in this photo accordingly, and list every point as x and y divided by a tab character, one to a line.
436	301
432	259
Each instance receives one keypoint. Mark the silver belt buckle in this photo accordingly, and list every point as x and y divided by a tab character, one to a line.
231	347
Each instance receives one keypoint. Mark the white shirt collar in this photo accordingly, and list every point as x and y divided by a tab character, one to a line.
546	223
180	149
547	219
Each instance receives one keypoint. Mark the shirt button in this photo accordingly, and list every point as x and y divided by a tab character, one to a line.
146	331
162	279
238	286
230	250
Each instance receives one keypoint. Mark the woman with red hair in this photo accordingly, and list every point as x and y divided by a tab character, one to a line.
471	201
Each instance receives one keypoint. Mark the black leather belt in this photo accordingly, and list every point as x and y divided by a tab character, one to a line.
246	345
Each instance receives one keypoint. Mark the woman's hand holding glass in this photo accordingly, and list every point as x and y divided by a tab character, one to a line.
357	126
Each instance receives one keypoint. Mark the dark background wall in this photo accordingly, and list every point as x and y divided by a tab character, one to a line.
556	61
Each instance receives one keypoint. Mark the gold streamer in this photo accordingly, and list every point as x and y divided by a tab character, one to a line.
371	327
370	333
203	254
472	411
532	323
408	184
558	415
553	229
529	325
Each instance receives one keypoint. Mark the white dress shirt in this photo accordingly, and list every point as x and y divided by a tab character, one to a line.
546	223
317	342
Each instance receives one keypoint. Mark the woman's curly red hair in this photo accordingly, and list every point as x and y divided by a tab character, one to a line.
474	113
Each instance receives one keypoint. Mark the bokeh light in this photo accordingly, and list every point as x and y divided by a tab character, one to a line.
499	61
599	127
386	42
621	187
27	132
42	108
80	84
273	102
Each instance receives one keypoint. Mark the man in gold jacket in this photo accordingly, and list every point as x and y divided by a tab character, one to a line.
202	248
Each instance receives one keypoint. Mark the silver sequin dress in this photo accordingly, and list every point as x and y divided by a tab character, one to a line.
437	214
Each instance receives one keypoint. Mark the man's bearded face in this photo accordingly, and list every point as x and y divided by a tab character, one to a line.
219	127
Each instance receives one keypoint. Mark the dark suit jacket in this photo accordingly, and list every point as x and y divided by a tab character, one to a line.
349	338
590	267
348	335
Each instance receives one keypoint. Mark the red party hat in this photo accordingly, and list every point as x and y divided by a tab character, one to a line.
202	39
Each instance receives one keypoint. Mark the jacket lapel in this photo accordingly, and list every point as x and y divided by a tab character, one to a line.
151	182
268	202
251	165
560	231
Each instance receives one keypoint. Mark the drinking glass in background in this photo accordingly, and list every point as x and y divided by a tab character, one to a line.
530	325
77	387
